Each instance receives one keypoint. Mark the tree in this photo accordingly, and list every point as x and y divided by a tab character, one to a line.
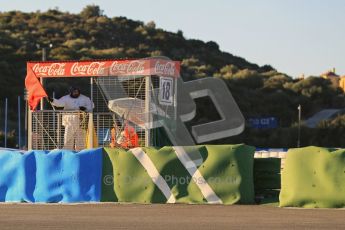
276	82
91	11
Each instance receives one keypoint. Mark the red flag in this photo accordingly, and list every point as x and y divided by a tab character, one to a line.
34	88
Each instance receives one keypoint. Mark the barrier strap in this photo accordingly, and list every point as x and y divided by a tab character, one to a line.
204	187
146	162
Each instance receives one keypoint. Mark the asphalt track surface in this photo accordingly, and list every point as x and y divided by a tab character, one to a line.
165	216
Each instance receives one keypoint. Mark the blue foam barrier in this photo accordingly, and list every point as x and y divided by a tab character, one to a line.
55	176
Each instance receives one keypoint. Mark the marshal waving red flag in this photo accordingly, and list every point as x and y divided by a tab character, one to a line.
35	89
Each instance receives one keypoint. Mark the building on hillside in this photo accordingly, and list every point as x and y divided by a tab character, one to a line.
332	76
337	81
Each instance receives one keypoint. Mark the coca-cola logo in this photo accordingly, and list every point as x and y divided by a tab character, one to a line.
55	69
131	67
165	68
92	69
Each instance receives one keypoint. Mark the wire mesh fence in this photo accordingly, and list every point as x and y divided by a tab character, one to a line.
59	129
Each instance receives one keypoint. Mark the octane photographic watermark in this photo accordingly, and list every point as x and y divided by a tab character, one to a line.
172	103
173	180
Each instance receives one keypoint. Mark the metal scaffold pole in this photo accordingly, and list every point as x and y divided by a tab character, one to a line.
147	111
90	123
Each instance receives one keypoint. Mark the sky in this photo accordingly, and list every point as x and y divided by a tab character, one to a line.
294	36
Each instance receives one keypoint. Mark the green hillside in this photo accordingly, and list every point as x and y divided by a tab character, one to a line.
258	90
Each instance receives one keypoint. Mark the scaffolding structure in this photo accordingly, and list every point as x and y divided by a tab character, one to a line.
134	96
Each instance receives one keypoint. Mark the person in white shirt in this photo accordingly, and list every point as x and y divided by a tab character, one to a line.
74	136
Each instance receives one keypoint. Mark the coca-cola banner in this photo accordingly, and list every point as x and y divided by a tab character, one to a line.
159	67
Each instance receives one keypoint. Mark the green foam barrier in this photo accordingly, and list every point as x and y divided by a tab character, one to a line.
228	170
313	177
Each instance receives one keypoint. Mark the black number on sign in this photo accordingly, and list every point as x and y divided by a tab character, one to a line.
166	90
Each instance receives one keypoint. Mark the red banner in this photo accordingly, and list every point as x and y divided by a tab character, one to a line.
145	67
